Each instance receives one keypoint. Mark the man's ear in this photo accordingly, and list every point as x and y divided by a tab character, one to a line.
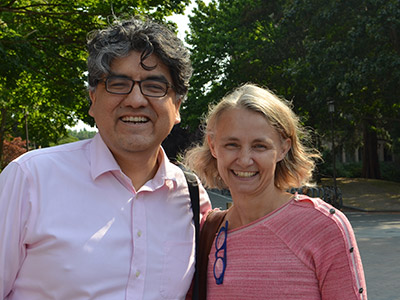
177	111
211	144
92	96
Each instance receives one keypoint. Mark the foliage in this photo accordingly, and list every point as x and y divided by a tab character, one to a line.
82	134
390	171
12	149
232	42
310	52
353	59
43	60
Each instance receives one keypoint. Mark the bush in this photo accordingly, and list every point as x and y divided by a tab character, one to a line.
390	171
12	149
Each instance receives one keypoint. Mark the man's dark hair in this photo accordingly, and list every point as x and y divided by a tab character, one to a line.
146	37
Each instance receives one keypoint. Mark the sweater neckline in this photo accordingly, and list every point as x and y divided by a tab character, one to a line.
268	216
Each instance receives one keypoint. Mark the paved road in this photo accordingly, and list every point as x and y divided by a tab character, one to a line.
378	238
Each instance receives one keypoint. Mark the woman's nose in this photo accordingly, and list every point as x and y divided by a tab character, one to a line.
245	157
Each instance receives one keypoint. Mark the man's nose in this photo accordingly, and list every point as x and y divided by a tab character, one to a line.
135	98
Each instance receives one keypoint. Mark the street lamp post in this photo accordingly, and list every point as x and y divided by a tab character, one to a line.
331	109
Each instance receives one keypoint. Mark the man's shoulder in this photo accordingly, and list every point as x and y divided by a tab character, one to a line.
54	152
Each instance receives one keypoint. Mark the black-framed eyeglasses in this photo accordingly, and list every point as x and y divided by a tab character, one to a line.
220	261
149	87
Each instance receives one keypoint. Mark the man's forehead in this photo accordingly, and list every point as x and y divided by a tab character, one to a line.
133	63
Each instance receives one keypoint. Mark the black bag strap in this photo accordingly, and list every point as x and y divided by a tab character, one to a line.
195	199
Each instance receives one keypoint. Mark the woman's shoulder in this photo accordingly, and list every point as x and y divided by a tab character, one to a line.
315	205
319	213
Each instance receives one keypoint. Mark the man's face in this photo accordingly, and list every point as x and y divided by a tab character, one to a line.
135	123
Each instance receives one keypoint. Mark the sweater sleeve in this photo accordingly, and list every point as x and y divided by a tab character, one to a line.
338	263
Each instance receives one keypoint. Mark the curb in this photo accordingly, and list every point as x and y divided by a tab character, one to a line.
346	208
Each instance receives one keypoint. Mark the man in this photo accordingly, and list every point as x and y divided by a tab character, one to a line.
107	218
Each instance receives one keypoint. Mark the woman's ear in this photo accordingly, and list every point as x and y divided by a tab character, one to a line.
285	147
211	145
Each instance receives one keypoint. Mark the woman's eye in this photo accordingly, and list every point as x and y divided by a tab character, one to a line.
231	145
260	147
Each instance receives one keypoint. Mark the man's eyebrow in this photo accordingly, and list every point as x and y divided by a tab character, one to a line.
112	74
157	78
151	77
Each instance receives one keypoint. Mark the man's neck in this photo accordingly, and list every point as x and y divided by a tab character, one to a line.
140	167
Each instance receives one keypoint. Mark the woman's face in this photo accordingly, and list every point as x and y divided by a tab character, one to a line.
247	149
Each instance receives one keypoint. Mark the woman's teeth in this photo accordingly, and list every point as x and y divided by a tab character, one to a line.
245	174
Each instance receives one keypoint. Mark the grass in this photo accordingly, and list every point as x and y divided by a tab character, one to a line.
368	194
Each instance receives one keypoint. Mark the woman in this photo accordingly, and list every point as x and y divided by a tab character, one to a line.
271	244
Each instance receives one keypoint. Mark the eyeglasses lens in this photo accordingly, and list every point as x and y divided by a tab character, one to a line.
154	88
123	86
220	255
119	85
219	267
220	240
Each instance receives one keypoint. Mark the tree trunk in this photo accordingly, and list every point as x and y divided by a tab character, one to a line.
370	168
3	113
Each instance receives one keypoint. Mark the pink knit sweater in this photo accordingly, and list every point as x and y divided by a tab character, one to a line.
303	250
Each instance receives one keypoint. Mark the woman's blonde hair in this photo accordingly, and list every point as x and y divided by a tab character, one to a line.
294	170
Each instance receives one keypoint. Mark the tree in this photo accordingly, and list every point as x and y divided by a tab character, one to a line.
82	134
352	55
43	55
306	51
232	42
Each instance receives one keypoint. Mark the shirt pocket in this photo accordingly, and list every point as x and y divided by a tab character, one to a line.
178	269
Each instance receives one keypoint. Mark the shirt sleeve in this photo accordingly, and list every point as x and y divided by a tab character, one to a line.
13	212
205	203
339	268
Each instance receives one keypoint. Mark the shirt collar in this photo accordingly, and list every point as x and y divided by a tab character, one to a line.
164	173
103	161
101	158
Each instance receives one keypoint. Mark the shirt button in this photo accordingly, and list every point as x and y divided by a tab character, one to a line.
137	274
139	233
332	211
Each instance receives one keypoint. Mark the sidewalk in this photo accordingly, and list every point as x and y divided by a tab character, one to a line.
378	238
368	195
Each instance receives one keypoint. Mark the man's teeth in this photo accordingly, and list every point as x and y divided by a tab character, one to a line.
245	174
134	119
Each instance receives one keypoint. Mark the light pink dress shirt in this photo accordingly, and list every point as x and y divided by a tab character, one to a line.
72	226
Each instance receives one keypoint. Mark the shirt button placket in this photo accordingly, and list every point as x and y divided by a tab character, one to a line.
139	259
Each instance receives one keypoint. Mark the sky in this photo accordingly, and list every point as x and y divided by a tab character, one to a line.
182	22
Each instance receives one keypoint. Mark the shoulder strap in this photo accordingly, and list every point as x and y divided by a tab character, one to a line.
195	199
207	235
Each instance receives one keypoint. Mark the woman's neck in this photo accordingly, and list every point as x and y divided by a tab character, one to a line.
249	209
